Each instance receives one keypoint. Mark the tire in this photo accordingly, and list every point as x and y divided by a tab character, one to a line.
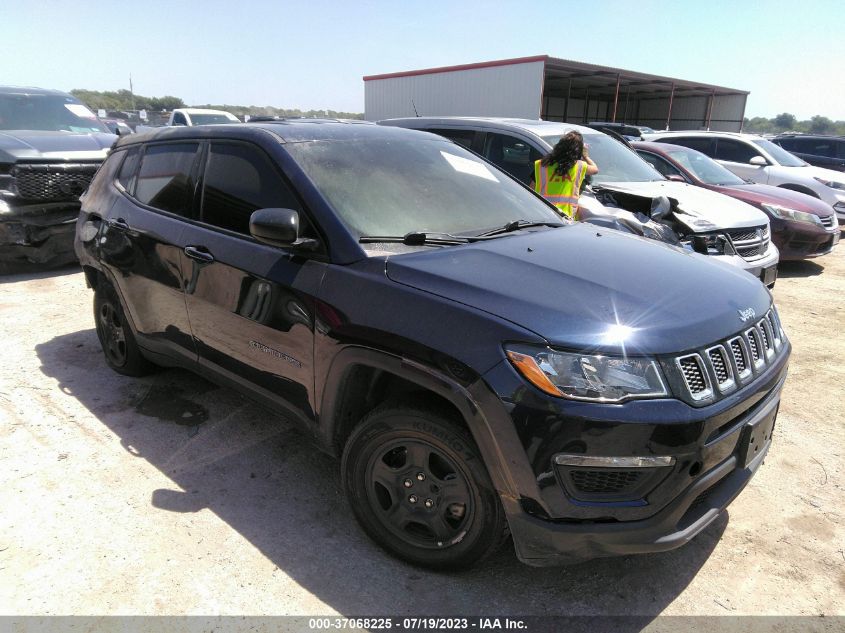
116	337
417	485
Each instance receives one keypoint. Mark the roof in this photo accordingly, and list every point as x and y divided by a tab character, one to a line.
200	111
287	131
563	74
535	126
30	90
705	133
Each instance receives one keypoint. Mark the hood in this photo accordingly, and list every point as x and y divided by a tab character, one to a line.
569	285
28	145
705	210
824	174
767	194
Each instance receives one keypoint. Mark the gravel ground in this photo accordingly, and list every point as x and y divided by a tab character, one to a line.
170	495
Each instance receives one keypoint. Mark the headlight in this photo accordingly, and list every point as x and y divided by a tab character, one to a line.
830	183
588	377
791	214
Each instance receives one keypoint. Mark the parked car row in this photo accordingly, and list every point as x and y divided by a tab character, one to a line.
481	366
762	161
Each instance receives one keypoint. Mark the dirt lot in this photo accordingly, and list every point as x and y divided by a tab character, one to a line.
169	495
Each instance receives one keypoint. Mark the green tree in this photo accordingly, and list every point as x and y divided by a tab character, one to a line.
821	124
785	121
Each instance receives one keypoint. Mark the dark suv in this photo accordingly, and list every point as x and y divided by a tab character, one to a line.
481	366
816	149
51	145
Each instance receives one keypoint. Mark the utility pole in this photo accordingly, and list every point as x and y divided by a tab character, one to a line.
131	92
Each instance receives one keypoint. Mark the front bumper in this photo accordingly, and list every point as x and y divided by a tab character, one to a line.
38	234
800	240
763	268
557	519
541	542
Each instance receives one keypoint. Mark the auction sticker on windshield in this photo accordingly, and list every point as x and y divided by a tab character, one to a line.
467	166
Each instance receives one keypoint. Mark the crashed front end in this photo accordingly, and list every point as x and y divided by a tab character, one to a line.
662	218
39	204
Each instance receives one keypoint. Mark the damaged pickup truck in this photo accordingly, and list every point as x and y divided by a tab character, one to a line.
51	145
627	194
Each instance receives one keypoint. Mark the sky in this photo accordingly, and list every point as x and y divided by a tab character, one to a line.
313	55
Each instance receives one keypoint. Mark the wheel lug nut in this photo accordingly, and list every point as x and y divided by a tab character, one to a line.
407	483
412	498
429	503
420	476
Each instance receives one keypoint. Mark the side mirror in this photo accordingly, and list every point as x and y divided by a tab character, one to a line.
759	161
675	177
278	227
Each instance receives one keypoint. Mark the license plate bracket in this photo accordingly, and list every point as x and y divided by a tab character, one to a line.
769	275
756	436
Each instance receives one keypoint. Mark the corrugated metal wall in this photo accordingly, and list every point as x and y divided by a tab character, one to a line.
506	91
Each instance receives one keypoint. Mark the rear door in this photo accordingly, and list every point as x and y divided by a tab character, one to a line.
251	305
142	242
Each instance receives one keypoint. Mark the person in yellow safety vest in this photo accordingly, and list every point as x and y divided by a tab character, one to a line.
558	176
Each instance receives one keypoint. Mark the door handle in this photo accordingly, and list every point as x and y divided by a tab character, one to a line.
199	253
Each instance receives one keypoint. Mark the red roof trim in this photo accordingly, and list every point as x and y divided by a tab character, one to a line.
446	69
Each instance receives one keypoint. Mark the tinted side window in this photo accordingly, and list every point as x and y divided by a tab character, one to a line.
512	155
164	180
734	151
703	145
660	164
179	119
817	147
129	170
461	137
240	179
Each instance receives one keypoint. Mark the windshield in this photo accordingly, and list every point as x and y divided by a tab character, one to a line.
393	187
60	113
704	168
616	162
780	155
212	119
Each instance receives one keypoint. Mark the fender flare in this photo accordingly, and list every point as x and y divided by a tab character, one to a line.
490	432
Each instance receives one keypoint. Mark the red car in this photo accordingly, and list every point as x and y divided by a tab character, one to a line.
802	226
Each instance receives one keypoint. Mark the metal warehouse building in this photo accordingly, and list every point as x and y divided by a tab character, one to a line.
556	90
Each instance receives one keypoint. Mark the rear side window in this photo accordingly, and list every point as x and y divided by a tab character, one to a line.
703	145
104	175
164	180
240	179
129	169
660	164
461	137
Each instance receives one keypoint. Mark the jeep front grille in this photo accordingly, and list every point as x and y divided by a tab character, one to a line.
52	182
695	376
706	375
750	243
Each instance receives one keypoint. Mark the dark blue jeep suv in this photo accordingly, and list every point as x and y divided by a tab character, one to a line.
482	366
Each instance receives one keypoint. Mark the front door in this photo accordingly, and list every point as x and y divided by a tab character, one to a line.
250	305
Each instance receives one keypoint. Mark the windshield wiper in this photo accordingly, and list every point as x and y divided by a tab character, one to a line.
515	225
417	238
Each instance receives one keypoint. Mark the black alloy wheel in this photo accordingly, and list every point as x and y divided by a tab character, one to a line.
113	337
418	486
116	337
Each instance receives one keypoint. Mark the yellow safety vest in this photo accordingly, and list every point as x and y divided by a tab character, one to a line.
561	191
